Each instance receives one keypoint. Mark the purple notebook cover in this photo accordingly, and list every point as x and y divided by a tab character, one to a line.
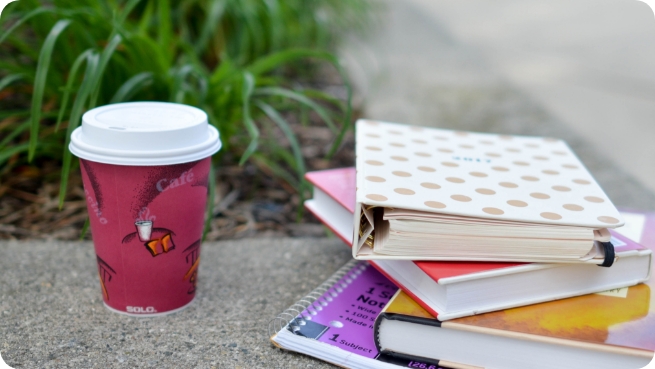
345	314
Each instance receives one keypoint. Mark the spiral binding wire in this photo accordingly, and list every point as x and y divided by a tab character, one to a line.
292	315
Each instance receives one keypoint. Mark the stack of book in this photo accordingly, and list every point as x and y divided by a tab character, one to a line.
475	250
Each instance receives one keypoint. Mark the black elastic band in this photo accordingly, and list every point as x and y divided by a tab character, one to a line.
609	254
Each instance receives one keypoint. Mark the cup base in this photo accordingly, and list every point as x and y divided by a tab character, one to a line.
149	315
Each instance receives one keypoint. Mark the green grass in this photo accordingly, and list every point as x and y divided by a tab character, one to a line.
238	60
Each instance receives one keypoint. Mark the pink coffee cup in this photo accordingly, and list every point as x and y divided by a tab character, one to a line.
145	168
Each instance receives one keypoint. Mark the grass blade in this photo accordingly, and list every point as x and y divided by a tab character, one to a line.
132	86
85	229
283	92
253	131
273	168
275	116
275	60
40	81
8	153
76	113
14	133
24	19
104	59
129	6
7	80
212	21
164	33
72	76
210	201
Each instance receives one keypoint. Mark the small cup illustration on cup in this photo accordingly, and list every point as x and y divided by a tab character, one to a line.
144	229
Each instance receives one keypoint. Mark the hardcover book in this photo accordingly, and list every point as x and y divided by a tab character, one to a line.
611	329
452	289
433	194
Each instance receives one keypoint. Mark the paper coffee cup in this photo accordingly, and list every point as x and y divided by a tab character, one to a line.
145	168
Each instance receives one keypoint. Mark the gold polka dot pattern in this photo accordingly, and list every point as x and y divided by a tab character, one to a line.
608	219
435	204
404	191
455	180
375	179
430	185
376	197
460	198
551	216
493	211
573	207
478	174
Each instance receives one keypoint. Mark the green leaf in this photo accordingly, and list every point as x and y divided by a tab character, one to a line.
8	153
179	90
15	131
283	92
212	21
25	18
76	113
164	33
99	72
275	60
129	6
132	86
40	81
9	79
210	201
253	131
72	76
144	22
275	116
275	168
85	229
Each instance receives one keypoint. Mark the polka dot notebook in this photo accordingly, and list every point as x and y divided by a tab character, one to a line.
468	178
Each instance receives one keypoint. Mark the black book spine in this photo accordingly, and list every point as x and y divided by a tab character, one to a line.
405	318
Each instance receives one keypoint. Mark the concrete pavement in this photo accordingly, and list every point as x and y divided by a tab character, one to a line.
52	316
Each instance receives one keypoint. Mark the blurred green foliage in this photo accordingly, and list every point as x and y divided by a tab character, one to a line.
235	59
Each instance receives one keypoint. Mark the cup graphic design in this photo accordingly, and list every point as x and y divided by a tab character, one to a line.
144	229
145	168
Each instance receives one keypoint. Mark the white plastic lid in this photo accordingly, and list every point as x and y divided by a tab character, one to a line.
145	133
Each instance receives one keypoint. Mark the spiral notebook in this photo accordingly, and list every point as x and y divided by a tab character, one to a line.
434	194
335	322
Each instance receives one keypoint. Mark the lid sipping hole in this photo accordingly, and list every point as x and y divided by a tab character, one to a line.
118	128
